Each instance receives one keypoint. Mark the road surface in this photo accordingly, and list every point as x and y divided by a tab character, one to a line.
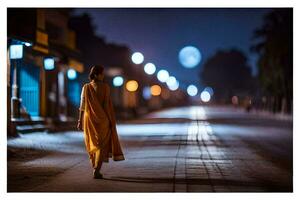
188	149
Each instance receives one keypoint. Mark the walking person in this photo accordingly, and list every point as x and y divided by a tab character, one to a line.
97	120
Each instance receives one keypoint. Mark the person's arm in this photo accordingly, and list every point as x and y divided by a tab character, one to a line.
80	120
81	111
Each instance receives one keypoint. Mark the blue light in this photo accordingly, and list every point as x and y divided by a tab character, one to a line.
72	74
189	56
192	90
162	75
49	63
209	90
147	93
171	81
174	87
16	51
27	44
205	96
118	81
137	58
150	68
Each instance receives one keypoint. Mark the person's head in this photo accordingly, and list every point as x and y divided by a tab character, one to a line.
96	73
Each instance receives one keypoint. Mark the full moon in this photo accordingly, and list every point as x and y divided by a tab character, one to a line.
189	56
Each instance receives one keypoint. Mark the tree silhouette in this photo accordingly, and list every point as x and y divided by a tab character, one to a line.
228	74
275	48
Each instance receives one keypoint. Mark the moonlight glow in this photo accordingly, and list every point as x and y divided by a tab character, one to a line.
189	56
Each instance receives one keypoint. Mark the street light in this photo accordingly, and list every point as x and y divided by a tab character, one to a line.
132	85
137	58
205	96
49	63
72	74
16	51
192	90
27	44
209	90
118	81
150	68
162	75
155	90
171	81
174	87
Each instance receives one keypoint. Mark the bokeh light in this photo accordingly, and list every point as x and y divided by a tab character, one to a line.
72	74
150	68
174	87
189	56
49	63
155	90
132	85
147	93
118	81
27	44
205	96
171	81
16	51
137	58
162	75
192	90
209	90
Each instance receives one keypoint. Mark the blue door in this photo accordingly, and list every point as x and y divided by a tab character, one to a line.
29	88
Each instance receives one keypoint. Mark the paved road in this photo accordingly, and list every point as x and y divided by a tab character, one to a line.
190	149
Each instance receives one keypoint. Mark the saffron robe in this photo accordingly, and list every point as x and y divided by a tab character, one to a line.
100	133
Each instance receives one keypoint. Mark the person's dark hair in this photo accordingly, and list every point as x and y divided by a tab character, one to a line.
95	71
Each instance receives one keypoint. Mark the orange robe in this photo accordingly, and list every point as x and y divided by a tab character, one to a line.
100	133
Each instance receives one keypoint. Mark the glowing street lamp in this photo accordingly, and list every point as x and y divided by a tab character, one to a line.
49	63
192	90
72	74
155	90
118	81
16	51
150	68
174	87
137	58
132	85
209	90
171	81
205	96
162	75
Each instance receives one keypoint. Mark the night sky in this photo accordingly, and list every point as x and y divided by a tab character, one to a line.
160	33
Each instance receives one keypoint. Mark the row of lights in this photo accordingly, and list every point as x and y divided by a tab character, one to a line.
164	77
49	64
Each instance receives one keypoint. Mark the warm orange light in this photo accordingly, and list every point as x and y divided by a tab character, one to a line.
132	86
155	90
